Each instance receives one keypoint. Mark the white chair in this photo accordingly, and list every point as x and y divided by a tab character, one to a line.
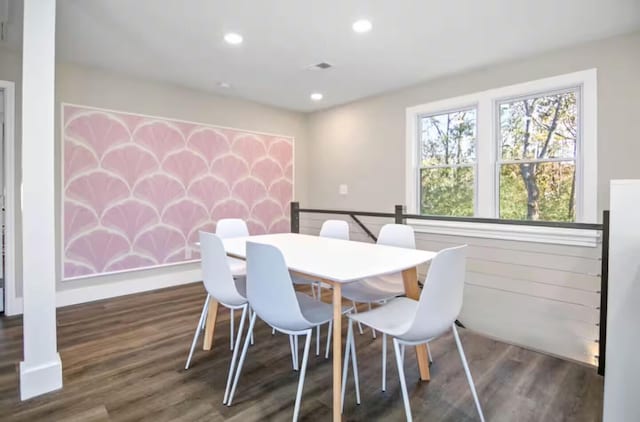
382	288
217	279
227	228
273	298
335	229
412	322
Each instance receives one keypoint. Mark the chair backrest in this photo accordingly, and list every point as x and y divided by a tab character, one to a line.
270	289
441	298
400	235
231	227
337	229
216	274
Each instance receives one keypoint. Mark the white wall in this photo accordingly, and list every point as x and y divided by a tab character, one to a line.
622	380
541	296
362	144
94	87
11	70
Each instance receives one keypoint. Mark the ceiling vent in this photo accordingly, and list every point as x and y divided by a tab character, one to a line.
320	66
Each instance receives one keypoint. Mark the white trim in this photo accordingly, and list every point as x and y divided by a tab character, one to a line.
10	305
40	369
551	235
589	148
130	270
37	380
126	287
617	182
411	164
173	119
413	114
121	288
486	197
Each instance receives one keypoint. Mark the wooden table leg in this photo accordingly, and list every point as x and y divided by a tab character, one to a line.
412	290
210	325
337	349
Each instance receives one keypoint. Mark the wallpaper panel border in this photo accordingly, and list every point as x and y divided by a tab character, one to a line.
199	126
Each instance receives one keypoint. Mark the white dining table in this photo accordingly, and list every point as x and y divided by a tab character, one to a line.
335	262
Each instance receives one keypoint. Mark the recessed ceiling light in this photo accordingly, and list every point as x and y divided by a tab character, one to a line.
224	85
316	96
233	38
362	25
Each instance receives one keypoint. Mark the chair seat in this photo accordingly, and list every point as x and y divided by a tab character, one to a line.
315	311
394	318
374	289
238	266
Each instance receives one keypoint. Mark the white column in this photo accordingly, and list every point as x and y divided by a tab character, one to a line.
41	369
622	370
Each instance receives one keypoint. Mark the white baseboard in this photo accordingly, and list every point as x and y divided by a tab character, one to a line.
40	379
119	288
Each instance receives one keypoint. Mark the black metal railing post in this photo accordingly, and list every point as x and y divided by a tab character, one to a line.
399	214
604	290
295	217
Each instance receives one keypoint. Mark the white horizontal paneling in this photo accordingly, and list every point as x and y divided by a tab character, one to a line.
567	279
540	324
529	288
541	296
549	260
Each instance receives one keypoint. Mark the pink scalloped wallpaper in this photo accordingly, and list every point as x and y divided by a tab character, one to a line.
137	189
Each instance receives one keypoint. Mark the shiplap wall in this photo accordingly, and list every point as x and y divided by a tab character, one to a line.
541	296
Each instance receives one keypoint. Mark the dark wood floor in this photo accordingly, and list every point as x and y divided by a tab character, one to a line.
123	360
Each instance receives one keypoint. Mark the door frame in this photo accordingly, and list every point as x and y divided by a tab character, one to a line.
12	305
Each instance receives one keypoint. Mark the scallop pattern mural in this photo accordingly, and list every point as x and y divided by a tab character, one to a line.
137	189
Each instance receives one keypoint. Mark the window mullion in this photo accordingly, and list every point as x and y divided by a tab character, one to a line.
485	189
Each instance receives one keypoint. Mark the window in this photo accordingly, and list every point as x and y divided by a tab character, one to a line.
537	161
447	157
522	152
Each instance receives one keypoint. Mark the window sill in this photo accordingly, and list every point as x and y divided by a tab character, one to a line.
551	235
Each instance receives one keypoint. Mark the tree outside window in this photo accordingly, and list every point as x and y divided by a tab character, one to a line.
520	152
447	157
538	137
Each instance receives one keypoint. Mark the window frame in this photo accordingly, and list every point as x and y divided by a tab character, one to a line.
577	159
418	151
486	177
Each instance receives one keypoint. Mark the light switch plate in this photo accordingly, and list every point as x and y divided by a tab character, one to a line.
343	189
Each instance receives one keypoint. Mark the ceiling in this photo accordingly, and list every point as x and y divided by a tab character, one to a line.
181	41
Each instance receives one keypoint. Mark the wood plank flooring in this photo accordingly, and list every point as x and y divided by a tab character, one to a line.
123	360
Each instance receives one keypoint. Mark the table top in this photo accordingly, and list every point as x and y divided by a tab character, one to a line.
336	260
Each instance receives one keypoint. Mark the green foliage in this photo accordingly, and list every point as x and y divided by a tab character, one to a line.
447	191
448	140
532	131
555	182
